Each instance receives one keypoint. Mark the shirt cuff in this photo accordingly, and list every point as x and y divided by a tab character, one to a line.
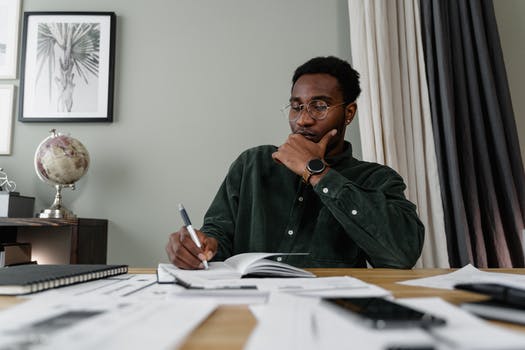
334	185
331	184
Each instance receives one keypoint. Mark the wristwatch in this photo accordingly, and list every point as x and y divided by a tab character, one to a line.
314	166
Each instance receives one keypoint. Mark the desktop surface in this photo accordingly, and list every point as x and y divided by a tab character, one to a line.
229	327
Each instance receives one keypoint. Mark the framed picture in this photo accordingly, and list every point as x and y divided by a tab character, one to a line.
67	72
7	93
9	18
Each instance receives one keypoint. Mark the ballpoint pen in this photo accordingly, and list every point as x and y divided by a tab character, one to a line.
192	232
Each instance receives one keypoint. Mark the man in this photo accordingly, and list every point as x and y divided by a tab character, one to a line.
310	195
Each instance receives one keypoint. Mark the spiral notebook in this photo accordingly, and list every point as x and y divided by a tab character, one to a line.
26	279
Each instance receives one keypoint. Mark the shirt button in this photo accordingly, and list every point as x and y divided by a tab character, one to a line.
300	199
290	232
325	190
354	212
279	258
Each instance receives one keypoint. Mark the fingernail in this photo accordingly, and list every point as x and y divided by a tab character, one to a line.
201	256
201	266
210	255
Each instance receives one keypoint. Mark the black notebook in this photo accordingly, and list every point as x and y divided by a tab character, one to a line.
25	279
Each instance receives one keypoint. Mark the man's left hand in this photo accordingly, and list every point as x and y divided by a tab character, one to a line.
297	150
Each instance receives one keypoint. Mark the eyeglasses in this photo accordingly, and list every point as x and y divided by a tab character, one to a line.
317	109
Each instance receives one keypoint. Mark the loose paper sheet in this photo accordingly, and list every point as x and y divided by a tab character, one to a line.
141	286
291	322
343	286
100	323
467	274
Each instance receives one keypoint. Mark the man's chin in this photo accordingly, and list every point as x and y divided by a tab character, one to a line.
312	138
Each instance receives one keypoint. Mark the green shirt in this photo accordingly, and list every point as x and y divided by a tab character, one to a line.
356	213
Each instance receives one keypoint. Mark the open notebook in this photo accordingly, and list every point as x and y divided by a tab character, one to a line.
235	267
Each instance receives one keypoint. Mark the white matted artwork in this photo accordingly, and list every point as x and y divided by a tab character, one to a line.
7	92
67	67
9	18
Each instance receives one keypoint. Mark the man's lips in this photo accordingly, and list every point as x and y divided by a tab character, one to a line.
310	136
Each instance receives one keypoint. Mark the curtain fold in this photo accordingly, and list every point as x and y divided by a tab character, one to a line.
394	109
480	166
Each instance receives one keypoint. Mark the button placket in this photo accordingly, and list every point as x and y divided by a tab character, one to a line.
289	234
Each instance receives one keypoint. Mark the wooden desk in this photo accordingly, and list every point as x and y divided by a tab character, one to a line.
59	241
228	327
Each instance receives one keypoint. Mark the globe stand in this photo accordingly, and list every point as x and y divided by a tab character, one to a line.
57	210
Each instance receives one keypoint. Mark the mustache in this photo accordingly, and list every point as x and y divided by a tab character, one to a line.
305	133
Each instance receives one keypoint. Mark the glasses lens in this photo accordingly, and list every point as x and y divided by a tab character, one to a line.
292	111
317	109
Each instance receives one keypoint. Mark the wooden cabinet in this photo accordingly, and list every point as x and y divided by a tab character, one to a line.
59	241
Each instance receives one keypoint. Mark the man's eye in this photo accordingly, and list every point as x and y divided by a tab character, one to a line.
319	106
295	108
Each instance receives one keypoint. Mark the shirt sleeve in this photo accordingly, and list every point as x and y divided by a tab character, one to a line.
376	216
219	221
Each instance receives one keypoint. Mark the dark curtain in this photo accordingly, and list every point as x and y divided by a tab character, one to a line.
479	160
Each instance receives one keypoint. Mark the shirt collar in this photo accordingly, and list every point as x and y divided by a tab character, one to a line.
345	155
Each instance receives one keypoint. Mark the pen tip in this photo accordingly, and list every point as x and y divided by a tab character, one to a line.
180	206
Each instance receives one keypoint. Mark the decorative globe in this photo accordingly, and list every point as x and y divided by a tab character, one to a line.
60	161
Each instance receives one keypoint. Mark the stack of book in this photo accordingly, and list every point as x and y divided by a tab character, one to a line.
15	253
13	205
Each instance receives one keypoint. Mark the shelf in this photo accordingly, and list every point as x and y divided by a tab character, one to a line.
59	241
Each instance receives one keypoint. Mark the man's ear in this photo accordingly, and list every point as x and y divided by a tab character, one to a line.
350	112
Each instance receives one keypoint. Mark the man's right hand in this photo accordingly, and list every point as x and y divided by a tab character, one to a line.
183	252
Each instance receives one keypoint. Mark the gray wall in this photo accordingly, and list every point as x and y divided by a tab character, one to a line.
196	83
510	15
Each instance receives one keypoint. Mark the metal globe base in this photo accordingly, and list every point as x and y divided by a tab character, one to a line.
57	210
63	213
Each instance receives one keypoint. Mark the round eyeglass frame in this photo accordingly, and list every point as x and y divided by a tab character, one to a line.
287	110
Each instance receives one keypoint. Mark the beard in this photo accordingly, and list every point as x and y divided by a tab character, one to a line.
335	142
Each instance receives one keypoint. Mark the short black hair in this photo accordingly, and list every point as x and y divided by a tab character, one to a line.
347	77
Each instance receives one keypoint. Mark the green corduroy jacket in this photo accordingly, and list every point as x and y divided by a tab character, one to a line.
356	213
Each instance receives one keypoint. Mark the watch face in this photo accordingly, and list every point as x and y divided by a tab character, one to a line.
315	166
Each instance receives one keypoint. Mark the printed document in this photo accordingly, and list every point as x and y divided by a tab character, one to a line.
291	322
468	274
100	323
206	283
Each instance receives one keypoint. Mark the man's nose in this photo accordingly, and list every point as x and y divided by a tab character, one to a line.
304	118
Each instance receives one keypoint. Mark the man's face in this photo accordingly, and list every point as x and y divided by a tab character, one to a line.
322	87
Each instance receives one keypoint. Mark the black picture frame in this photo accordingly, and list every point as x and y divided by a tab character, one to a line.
68	67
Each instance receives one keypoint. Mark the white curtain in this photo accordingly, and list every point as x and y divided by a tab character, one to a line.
394	108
